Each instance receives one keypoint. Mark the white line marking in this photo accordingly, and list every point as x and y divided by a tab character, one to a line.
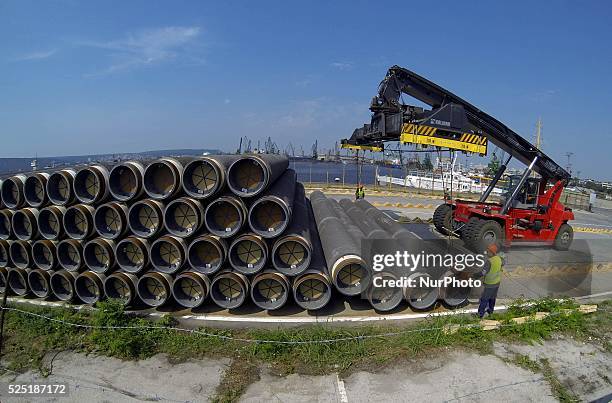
341	390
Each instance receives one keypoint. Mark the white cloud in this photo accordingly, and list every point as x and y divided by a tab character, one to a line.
147	47
342	65
40	55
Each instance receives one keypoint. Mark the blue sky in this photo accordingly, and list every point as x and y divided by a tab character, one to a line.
96	77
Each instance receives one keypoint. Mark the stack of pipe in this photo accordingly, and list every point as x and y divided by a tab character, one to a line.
190	231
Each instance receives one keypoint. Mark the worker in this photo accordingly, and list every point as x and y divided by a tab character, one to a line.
492	277
361	193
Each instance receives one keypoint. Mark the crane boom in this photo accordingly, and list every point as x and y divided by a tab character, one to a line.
449	115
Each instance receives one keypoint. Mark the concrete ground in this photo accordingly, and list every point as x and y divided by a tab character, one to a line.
451	375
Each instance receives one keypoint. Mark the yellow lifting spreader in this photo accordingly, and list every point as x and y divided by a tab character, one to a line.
432	136
361	147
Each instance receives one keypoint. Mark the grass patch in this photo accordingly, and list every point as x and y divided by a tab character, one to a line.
29	339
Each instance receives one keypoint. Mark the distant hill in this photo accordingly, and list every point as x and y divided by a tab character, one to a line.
14	165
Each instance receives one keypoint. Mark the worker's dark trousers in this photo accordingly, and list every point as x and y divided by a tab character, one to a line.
487	300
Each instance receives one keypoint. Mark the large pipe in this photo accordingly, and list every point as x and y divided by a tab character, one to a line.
342	253
5	254
70	255
121	286
169	254
89	287
270	290
78	221
154	288
91	184
421	296
62	285
12	191
190	289
21	254
225	216
146	218
292	252
50	221
229	289
250	175
452	296
367	225
6	224
35	189
110	220
60	187
132	254
204	177
184	216
18	281
162	178
44	254
99	255
25	224
39	281
125	181
248	253
207	253
384	298
270	214
312	289
3	278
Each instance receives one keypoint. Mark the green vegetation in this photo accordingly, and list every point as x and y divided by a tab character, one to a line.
29	338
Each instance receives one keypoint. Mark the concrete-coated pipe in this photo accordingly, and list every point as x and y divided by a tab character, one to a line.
78	221
383	297
99	255
44	254
252	174
62	285
60	187
121	286
146	218
91	184
270	214
132	254
3	279
342	253
366	224
270	290
89	287
18	281
39	281
12	191
25	223
6	224
292	252
168	254
184	217
35	189
248	253
190	289
50	221
21	254
125	181
205	176
154	288
229	289
5	253
162	178
452	296
70	255
225	216
207	253
422	296
111	220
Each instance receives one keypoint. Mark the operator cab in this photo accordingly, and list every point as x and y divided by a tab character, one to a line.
527	197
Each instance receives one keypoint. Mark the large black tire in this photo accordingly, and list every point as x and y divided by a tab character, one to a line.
443	219
564	237
479	233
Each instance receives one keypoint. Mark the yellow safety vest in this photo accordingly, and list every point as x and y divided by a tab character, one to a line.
493	277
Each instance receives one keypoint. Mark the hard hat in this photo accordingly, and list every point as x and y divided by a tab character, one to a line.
492	248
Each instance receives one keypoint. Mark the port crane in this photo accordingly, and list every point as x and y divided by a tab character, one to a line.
529	210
